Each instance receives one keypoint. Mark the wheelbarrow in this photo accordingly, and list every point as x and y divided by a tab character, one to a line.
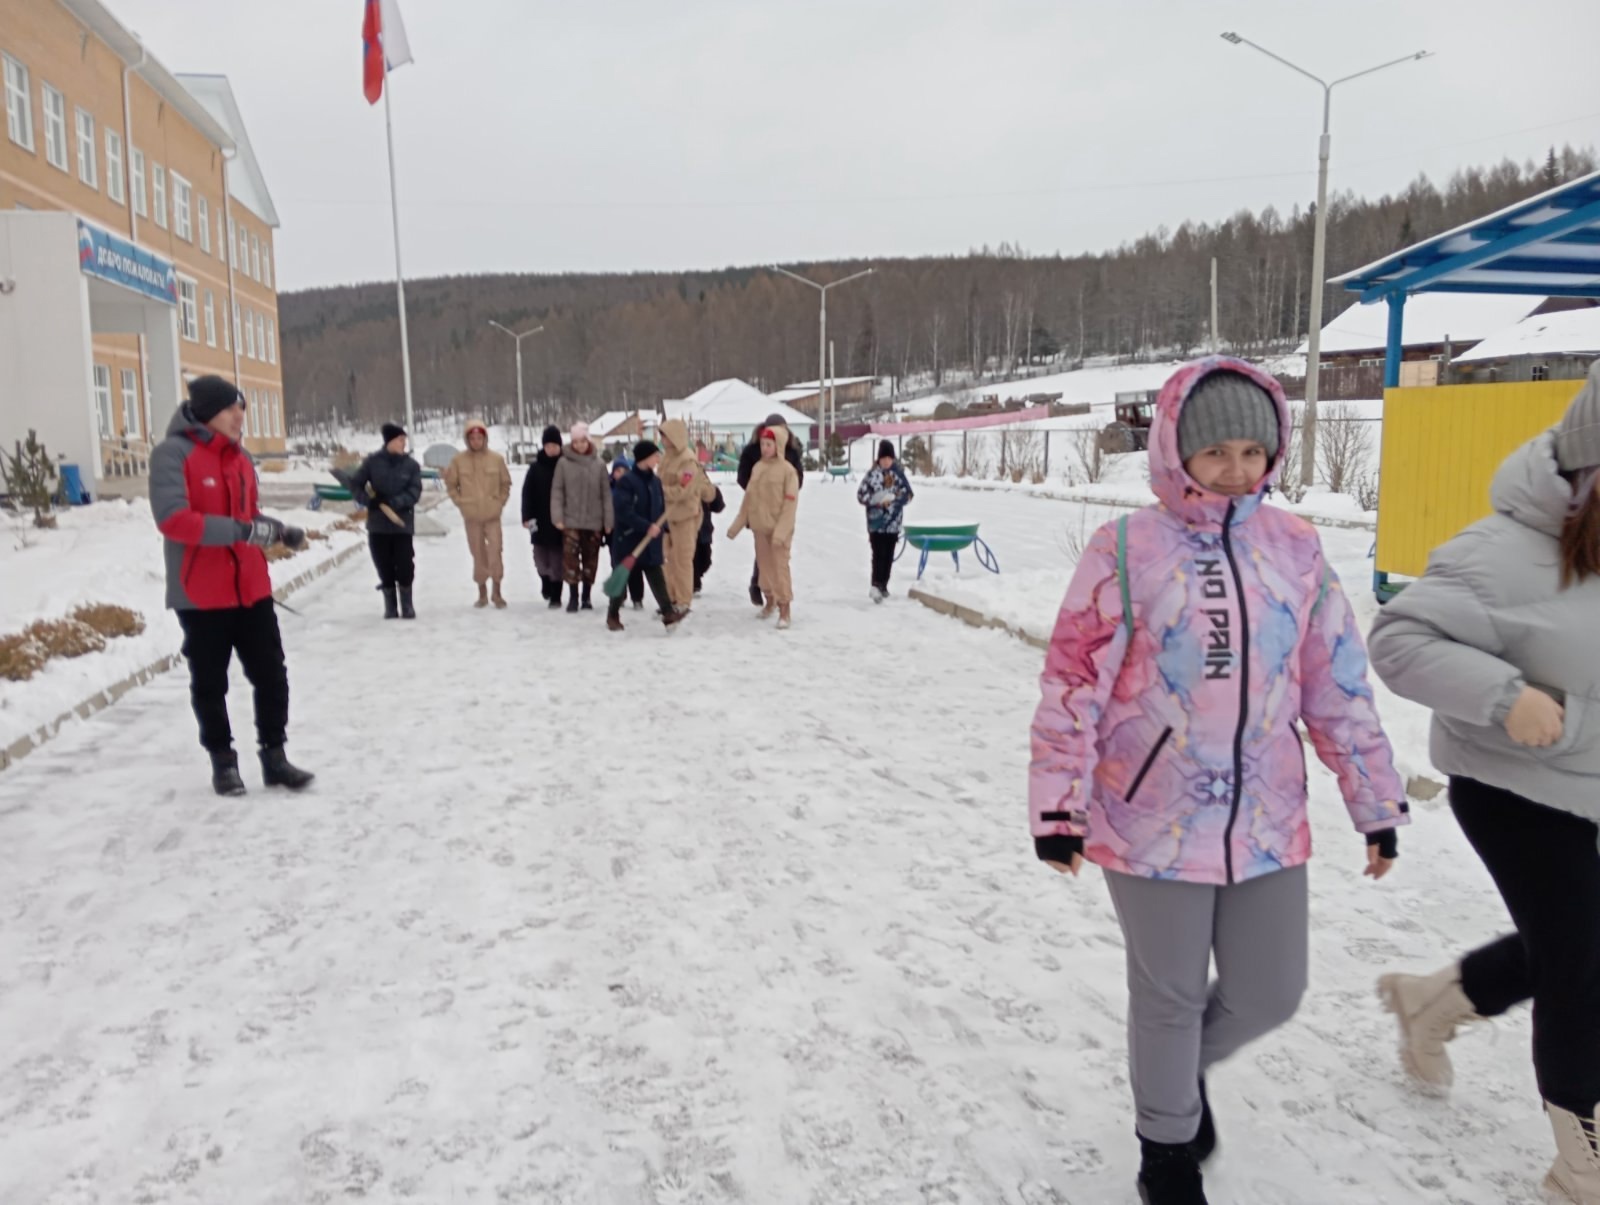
946	537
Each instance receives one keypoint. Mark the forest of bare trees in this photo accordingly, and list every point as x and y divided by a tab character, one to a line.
614	341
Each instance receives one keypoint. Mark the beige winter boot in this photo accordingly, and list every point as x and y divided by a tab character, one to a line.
483	595
1575	1176
770	609
783	617
498	598
1430	1009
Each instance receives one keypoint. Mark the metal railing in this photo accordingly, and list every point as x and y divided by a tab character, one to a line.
124	458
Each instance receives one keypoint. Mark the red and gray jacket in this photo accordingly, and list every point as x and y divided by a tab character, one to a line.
203	494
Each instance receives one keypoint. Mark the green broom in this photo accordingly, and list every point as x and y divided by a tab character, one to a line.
616	585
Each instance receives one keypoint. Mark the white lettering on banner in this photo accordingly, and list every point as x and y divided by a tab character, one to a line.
118	262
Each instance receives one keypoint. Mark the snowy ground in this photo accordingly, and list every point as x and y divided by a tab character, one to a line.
723	916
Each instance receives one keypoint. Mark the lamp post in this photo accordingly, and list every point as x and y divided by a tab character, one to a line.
522	419
822	340
1319	245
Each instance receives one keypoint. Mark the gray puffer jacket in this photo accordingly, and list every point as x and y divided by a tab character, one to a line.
580	499
1490	617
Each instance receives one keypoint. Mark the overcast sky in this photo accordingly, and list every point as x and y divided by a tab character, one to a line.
642	134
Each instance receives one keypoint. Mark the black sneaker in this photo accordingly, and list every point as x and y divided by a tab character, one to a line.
225	778
1169	1174
1205	1140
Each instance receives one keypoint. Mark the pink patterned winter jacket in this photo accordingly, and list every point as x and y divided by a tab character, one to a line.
1172	747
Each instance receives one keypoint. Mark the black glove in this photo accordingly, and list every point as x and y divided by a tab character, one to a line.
1387	841
265	532
1057	848
294	537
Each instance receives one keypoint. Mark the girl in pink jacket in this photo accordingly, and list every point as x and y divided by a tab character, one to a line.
1196	637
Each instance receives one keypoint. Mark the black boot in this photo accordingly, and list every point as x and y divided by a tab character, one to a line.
225	778
587	605
756	596
1205	1140
277	771
552	592
1169	1174
407	611
572	603
391	604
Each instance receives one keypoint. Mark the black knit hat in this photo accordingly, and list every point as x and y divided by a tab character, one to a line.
552	435
885	448
392	432
643	451
209	396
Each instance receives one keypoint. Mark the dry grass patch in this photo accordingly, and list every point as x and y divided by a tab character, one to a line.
110	620
66	637
20	657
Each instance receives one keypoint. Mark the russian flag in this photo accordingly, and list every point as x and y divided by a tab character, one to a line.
383	45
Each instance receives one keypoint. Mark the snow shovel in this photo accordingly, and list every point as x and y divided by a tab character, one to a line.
616	585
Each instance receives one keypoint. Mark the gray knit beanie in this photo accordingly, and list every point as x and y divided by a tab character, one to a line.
1224	406
1578	436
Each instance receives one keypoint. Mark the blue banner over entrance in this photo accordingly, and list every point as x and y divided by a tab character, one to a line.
103	254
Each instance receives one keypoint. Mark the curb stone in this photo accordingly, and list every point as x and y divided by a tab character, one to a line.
101	699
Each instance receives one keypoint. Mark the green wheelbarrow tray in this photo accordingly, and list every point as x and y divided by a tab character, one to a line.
327	493
929	538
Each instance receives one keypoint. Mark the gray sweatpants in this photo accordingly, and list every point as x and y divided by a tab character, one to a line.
1179	1021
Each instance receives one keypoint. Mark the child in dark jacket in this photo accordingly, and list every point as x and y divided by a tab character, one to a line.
640	510
620	468
702	549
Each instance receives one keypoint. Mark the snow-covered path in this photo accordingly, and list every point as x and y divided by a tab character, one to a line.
722	916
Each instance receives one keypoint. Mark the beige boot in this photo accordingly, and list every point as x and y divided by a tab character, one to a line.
483	595
783	617
1575	1177
770	609
498	598
1430	1009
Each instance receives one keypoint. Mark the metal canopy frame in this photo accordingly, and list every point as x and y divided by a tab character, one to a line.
1546	246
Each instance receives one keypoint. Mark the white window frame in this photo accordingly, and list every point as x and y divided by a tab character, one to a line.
88	149
102	402
158	193
244	250
277	414
136	170
182	208
255	258
255	413
261	337
131	422
202	221
211	319
250	334
189	308
19	103
272	341
266	264
114	182
238	333
227	346
55	127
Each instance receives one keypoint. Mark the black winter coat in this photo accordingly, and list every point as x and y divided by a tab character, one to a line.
536	486
638	502
395	479
752	454
715	507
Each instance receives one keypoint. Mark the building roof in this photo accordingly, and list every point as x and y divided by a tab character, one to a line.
612	419
1548	245
1570	332
125	44
1430	318
733	403
811	386
246	182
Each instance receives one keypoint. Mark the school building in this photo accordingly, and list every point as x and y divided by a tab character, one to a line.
136	245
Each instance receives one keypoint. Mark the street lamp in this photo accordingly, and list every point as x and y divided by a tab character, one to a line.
822	340
1319	246
522	420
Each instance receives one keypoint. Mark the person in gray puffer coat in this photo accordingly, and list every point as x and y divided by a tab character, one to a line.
1501	638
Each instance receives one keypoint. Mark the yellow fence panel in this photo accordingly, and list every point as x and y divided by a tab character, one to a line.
1441	447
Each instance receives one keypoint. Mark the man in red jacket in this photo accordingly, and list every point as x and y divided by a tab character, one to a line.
203	492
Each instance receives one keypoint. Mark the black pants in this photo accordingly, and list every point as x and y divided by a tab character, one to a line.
656	576
394	556
635	586
883	545
702	563
210	639
1548	871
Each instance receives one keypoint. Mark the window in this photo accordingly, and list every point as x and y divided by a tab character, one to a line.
55	127
158	193
255	413
277	416
203	220
272	341
181	198
238	337
211	319
255	257
266	265
138	183
261	337
244	251
19	103
102	401
114	188
1540	372
249	334
88	153
187	321
226	345
130	403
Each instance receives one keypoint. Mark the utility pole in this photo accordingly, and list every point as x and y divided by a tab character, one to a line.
822	339
522	414
1216	340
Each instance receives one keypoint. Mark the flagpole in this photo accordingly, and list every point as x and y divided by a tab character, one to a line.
399	274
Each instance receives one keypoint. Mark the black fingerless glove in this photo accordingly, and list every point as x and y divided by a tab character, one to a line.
1057	848
1387	841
